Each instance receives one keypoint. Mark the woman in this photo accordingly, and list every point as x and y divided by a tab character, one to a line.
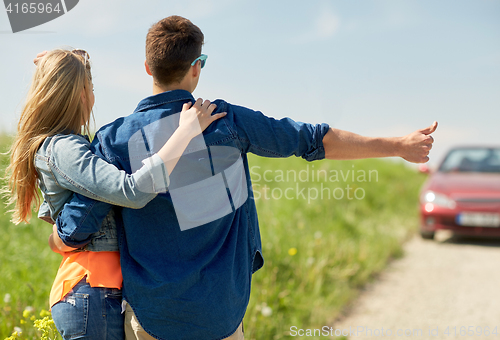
85	297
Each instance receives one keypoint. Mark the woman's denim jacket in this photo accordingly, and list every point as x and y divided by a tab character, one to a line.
65	165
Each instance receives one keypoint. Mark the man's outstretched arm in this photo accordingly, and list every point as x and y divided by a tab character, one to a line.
414	147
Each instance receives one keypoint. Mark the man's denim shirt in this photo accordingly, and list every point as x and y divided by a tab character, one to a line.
188	256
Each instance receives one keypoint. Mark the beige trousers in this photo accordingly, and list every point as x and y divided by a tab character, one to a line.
134	331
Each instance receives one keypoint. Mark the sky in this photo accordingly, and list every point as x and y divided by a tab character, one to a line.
374	67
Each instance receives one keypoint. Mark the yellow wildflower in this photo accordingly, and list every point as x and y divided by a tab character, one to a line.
46	325
14	335
44	313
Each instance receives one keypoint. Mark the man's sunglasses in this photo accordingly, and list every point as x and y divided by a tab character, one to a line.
202	58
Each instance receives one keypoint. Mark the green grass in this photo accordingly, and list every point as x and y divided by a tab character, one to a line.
341	244
28	266
318	252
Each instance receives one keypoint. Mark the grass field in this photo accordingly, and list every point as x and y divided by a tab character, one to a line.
28	267
325	233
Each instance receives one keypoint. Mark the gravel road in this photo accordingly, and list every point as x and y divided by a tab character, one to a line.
443	289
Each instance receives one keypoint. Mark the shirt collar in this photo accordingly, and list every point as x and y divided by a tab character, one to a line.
164	98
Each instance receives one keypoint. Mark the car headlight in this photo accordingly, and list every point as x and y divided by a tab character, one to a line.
438	199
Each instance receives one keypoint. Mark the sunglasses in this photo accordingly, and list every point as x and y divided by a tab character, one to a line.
202	58
82	53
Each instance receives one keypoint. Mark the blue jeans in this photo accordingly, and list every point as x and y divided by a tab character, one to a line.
92	313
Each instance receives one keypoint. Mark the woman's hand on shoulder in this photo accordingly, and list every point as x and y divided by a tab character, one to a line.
198	117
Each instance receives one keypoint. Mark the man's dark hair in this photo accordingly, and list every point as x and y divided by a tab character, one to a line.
172	44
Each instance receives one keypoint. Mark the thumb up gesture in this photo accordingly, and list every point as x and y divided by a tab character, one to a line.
415	147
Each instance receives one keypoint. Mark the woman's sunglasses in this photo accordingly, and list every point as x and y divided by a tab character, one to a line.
82	53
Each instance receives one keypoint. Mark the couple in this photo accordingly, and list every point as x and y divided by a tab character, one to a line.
161	198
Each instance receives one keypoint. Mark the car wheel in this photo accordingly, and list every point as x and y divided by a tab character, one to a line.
427	235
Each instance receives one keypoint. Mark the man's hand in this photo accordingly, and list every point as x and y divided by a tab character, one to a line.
56	244
415	147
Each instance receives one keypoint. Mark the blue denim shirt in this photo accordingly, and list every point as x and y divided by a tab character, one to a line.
65	165
186	275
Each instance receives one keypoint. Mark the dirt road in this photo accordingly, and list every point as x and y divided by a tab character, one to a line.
444	289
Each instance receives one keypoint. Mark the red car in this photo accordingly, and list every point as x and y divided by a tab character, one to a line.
463	195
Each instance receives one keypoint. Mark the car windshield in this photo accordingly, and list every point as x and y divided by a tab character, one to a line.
472	160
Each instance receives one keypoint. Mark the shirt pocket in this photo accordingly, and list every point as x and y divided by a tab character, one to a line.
71	315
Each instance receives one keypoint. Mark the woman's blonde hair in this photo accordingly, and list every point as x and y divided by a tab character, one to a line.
53	105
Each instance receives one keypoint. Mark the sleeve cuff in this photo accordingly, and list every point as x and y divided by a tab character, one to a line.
158	172
317	150
44	213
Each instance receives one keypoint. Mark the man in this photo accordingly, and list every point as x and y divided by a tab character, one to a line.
188	256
